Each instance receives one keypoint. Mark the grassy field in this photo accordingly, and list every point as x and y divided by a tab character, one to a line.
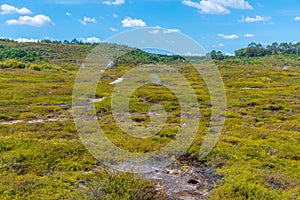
258	153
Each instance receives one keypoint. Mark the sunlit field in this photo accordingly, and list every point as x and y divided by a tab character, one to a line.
42	156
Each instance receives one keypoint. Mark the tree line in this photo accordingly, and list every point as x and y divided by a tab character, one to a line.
73	41
258	50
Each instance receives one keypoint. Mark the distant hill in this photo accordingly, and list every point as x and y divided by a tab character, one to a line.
72	54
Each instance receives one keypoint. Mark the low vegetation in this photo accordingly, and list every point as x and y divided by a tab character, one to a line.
257	154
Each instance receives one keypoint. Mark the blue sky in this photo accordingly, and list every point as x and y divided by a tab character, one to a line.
223	25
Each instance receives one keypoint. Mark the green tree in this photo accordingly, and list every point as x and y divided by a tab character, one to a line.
275	48
213	54
74	41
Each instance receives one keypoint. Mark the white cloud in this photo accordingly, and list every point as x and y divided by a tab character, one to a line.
154	32
191	54
90	40
26	40
164	31
8	9
115	2
219	45
228	37
257	18
207	7
297	18
68	14
192	4
168	31
229	54
129	22
113	29
249	35
218	6
38	21
86	20
237	4
115	15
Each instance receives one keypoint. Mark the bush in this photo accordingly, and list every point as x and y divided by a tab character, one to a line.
39	67
13	64
18	53
105	185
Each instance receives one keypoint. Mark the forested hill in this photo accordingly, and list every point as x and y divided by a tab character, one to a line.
19	55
